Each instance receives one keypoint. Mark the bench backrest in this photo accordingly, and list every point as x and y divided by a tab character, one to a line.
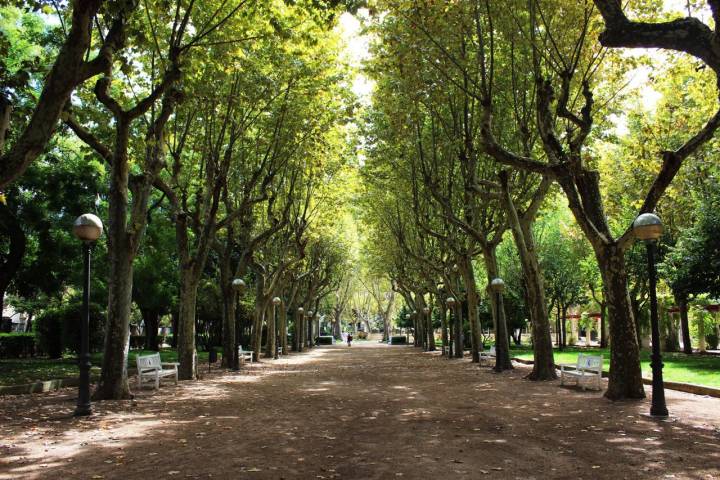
492	350
148	362
590	362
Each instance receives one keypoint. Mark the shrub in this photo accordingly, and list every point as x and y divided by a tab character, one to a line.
398	340
58	329
712	341
15	345
325	340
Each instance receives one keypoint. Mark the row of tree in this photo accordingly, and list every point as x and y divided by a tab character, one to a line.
485	112
209	135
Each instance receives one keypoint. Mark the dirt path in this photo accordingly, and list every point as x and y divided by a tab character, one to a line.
366	412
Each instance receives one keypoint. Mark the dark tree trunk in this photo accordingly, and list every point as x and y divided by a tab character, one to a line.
563	326
625	375
458	330
175	322
473	298
684	324
443	322
151	319
502	346
186	326
10	228
603	325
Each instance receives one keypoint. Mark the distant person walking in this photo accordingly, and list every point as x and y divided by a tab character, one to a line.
349	339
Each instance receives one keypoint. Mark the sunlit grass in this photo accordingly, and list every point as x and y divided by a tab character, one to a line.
697	369
18	371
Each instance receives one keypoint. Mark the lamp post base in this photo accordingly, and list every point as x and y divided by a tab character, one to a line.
83	410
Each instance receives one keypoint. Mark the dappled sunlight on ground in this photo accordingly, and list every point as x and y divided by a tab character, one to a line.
366	412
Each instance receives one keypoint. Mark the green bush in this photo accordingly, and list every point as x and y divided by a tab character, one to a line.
398	340
58	329
15	345
712	341
325	340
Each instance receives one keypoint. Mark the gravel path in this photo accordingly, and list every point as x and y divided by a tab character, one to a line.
366	412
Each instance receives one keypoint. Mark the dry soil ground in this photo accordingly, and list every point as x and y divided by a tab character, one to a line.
366	412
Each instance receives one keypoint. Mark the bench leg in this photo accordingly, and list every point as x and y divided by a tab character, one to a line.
176	375
157	381
139	381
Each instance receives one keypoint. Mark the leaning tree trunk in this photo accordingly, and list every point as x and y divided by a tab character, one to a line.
625	379
544	363
684	323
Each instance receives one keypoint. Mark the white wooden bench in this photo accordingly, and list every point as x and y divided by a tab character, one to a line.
588	369
150	368
244	355
487	354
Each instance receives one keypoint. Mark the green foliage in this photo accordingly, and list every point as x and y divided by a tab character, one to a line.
58	328
14	345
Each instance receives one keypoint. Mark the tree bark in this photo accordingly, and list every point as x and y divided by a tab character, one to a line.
502	347
10	227
684	323
468	275
151	319
440	302
544	362
186	326
69	70
625	379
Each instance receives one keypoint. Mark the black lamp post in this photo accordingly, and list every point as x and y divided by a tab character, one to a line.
497	285
88	229
450	302
648	228
310	328
276	301
239	286
407	329
299	329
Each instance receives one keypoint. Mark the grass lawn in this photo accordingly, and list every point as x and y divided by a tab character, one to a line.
17	371
697	369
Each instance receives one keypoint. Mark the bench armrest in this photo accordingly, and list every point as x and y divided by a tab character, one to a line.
170	364
564	366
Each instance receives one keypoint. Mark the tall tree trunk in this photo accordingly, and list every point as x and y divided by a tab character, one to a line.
440	302
544	362
114	379
459	337
283	328
151	319
502	347
229	302
10	228
186	325
271	331
684	323
473	298
603	325
563	327
625	375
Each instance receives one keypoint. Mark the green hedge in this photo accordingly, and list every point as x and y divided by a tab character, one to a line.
58	329
15	345
325	340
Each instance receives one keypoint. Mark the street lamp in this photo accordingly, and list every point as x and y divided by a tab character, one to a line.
450	302
276	301
297	339
87	228
648	228
310	328
238	284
